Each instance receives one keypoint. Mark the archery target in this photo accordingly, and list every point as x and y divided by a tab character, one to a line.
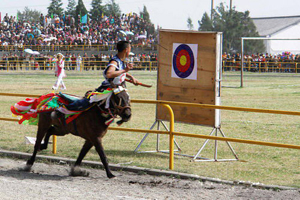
184	61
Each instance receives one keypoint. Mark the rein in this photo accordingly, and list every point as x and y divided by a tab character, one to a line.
119	107
113	111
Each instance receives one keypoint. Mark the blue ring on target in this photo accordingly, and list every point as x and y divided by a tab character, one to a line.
190	69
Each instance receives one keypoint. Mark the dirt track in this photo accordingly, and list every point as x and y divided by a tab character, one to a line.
52	182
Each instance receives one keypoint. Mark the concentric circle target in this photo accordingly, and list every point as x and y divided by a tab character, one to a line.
183	61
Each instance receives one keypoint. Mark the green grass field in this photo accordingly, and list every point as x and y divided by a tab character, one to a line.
267	165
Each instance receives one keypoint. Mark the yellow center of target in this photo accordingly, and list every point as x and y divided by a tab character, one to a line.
183	60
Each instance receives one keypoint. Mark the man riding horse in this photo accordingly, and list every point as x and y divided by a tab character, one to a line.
92	124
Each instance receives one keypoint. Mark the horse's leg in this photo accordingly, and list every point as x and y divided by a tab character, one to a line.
58	128
100	150
46	139
40	135
43	126
76	171
51	131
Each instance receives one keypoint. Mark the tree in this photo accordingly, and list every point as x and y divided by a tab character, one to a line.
234	25
55	8
205	24
80	11
71	8
28	15
96	10
190	24
145	14
112	8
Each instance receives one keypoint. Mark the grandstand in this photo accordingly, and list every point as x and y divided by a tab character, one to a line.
94	41
62	34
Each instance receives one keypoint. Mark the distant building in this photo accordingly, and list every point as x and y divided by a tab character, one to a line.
279	27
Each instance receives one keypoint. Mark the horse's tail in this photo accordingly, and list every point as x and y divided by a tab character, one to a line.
30	107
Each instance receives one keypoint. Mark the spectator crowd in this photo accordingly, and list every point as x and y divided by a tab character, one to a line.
62	30
285	62
72	61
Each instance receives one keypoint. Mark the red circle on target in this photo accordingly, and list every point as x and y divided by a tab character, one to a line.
183	60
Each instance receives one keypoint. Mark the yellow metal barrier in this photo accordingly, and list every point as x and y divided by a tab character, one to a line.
8	119
85	64
272	144
19	95
70	47
54	142
266	66
171	137
171	133
282	112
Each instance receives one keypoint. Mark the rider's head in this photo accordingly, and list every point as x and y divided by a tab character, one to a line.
124	47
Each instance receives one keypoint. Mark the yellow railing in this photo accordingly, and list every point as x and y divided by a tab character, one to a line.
88	64
261	66
172	133
69	65
72	47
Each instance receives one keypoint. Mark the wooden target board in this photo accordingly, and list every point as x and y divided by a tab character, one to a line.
189	70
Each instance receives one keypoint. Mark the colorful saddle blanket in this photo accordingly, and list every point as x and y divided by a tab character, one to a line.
29	108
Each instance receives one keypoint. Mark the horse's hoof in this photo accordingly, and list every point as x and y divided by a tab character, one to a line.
75	171
27	168
111	176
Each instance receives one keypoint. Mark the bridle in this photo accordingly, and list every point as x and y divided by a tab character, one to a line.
120	109
117	108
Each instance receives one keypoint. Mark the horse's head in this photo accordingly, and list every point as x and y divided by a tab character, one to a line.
121	104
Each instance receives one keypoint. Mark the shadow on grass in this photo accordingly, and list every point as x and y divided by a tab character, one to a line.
127	154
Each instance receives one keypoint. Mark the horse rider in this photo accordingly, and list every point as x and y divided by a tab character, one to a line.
114	74
116	70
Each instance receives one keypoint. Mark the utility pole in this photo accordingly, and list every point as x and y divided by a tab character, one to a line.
212	9
230	5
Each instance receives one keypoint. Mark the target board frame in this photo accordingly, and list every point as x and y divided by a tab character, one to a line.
189	70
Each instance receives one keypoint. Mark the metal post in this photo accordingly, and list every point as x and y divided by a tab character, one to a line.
212	10
242	66
165	126
249	65
216	146
171	137
157	138
54	144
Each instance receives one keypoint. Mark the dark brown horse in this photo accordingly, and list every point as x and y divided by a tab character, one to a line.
90	125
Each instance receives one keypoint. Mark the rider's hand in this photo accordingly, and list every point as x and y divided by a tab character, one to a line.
129	66
134	81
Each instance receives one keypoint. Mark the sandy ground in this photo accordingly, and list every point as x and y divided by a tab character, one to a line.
50	181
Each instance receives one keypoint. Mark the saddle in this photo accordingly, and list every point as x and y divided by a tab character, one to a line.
69	98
